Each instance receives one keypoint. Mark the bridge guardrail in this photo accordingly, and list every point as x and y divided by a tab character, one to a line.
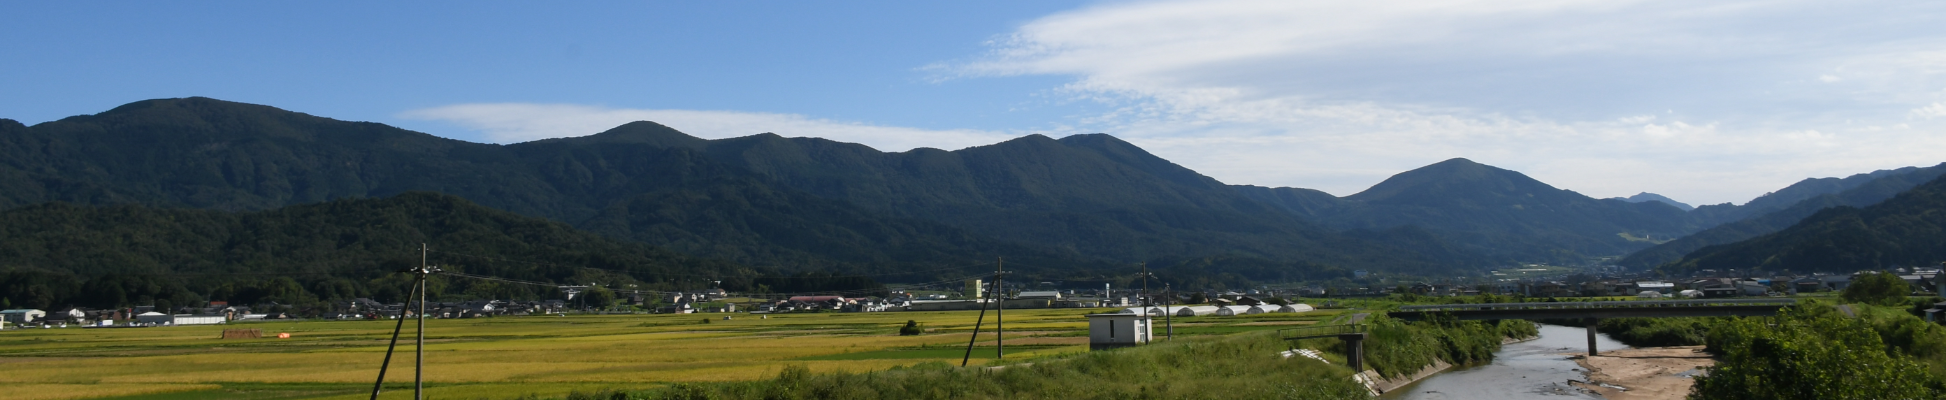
1317	331
1596	305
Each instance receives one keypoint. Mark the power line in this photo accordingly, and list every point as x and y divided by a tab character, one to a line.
556	264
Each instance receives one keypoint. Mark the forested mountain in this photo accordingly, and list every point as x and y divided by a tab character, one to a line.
1492	211
760	200
108	256
1905	230
205	153
1859	191
1790	196
1646	196
1092	194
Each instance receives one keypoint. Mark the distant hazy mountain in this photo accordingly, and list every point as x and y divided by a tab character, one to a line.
1490	210
1905	230
1859	191
1080	202
1646	196
1790	195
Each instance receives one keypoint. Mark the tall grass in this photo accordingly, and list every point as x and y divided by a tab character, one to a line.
1395	348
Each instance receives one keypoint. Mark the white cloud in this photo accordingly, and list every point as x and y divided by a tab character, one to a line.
1338	95
521	122
1928	112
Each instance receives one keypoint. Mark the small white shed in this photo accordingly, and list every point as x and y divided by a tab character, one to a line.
186	319
1108	331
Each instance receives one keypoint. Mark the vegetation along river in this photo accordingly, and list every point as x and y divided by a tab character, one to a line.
1534	369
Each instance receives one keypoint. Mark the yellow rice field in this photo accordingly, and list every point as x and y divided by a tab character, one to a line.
513	356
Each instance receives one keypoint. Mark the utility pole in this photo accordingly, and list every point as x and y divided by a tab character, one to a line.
999	310
976	331
383	366
1148	302
1170	328
419	369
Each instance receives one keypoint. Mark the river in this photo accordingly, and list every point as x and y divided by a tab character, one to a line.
1534	369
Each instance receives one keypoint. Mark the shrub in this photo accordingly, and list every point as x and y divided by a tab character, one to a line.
911	328
1877	288
1809	353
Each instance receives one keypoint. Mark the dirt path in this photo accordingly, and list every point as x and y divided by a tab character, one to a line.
1646	373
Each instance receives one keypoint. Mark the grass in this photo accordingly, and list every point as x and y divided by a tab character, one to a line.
547	356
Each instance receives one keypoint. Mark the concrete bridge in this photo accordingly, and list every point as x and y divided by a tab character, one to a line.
1594	311
1352	333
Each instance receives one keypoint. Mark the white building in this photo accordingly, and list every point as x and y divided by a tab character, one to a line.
186	319
22	316
1108	331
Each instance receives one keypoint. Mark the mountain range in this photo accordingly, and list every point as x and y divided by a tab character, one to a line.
1903	231
1086	204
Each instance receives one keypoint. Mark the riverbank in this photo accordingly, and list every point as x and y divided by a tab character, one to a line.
1645	373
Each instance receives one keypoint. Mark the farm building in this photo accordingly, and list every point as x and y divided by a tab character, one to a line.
154	318
1108	331
22	316
1192	311
1232	310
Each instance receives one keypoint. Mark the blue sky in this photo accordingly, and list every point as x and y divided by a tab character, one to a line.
1704	102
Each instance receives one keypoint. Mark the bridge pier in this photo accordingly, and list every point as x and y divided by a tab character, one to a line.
1591	336
1354	350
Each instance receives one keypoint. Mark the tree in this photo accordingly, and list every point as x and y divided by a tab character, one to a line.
1877	288
599	297
911	328
1197	298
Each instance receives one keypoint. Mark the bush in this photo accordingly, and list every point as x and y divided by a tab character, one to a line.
1810	353
1657	332
911	328
1877	288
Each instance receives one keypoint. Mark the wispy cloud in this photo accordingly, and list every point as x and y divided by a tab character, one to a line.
1704	101
521	122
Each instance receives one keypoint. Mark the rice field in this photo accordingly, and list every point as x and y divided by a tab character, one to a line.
510	357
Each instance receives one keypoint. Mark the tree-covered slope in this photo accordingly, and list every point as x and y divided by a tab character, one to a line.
1090	194
106	256
1905	230
1797	192
1859	192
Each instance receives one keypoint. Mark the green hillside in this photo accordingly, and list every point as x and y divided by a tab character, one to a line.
1859	191
1905	230
62	254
